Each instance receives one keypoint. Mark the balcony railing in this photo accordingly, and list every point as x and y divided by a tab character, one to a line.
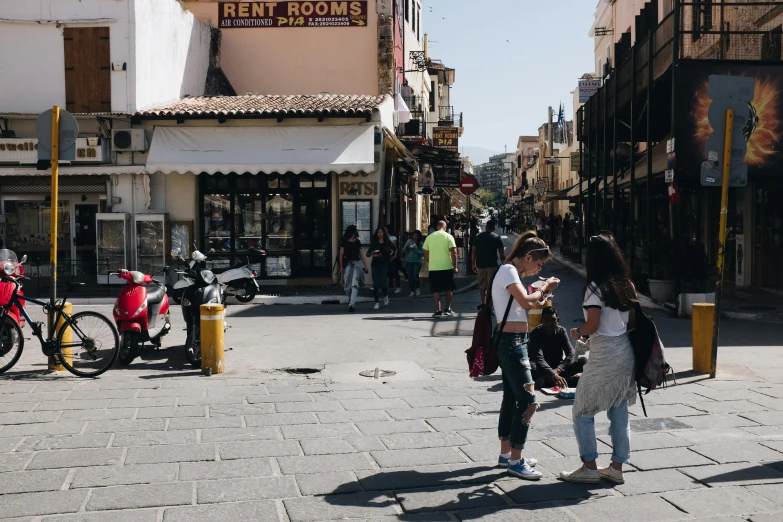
733	30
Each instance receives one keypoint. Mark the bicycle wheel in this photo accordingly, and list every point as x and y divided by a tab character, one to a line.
11	343
89	346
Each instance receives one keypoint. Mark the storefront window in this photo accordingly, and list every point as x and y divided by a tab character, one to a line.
217	222
249	221
27	229
280	222
151	255
111	246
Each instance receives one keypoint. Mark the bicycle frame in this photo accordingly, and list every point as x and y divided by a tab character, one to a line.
48	343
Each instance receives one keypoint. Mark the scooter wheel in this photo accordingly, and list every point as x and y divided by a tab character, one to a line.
129	349
193	348
250	293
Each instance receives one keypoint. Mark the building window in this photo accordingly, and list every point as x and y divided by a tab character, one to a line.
407	10
87	69
418	24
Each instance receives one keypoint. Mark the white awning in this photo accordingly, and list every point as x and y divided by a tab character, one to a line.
86	170
262	150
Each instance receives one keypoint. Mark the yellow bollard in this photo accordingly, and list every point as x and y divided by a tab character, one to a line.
534	315
67	353
703	322
212	322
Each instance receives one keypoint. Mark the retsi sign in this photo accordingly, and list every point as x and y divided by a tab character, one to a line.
345	13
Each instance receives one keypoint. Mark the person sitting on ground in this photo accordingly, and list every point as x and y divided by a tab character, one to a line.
552	357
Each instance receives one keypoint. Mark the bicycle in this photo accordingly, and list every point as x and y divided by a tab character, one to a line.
94	343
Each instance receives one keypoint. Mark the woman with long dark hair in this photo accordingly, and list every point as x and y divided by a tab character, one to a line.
353	264
414	254
608	381
381	251
519	401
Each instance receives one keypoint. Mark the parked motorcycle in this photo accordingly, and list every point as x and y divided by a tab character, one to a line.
202	288
240	279
141	313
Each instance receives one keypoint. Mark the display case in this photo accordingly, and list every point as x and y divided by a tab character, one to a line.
113	233
150	244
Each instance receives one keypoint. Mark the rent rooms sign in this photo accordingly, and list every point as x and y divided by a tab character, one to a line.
339	13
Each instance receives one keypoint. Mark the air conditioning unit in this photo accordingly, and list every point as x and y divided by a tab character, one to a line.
128	140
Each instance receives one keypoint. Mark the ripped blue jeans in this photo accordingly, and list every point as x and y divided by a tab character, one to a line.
517	398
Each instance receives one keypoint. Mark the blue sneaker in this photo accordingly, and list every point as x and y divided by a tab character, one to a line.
523	471
503	462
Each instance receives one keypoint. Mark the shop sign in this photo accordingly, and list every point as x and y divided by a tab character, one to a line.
587	88
293	13
576	162
19	150
446	138
358	188
24	151
447	176
426	177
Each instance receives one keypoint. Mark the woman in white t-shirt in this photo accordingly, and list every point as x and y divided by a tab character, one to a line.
519	402
608	381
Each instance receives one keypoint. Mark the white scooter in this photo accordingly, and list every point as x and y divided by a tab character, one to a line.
240	279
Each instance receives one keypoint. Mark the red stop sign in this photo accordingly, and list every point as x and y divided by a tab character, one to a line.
468	184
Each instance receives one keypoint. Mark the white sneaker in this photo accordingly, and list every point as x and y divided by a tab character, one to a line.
398	291
377	306
412	294
612	476
386	301
418	292
581	475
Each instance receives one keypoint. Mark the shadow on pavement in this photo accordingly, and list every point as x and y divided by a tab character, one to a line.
460	489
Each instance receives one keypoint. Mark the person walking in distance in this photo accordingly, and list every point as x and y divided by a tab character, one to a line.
413	251
508	296
353	264
395	266
381	253
440	253
608	381
488	246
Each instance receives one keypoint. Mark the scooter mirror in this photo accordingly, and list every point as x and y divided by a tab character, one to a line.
23	260
175	252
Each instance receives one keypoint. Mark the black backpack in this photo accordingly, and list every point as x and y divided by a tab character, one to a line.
651	366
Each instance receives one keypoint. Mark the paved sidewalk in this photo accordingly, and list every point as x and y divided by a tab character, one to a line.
273	447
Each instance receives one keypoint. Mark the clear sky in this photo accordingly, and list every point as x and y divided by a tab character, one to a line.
514	58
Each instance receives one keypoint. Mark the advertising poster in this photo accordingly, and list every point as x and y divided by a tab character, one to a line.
763	120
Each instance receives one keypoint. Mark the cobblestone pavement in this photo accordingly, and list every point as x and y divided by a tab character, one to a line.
275	447
158	442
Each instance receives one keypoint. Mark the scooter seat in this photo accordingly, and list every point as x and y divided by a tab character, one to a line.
154	294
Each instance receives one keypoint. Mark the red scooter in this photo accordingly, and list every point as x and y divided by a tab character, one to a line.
7	287
141	313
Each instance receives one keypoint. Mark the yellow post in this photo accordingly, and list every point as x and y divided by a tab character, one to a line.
724	211
67	339
212	321
703	322
54	206
534	315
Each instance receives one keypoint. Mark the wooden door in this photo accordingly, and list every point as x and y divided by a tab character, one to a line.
87	69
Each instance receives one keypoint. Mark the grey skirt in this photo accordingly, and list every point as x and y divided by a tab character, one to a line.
608	378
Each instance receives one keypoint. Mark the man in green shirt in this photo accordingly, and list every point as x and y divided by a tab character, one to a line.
440	253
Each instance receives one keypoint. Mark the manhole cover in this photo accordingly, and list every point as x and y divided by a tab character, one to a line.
381	373
302	371
752	308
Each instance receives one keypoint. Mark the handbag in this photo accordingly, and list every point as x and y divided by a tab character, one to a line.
483	354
